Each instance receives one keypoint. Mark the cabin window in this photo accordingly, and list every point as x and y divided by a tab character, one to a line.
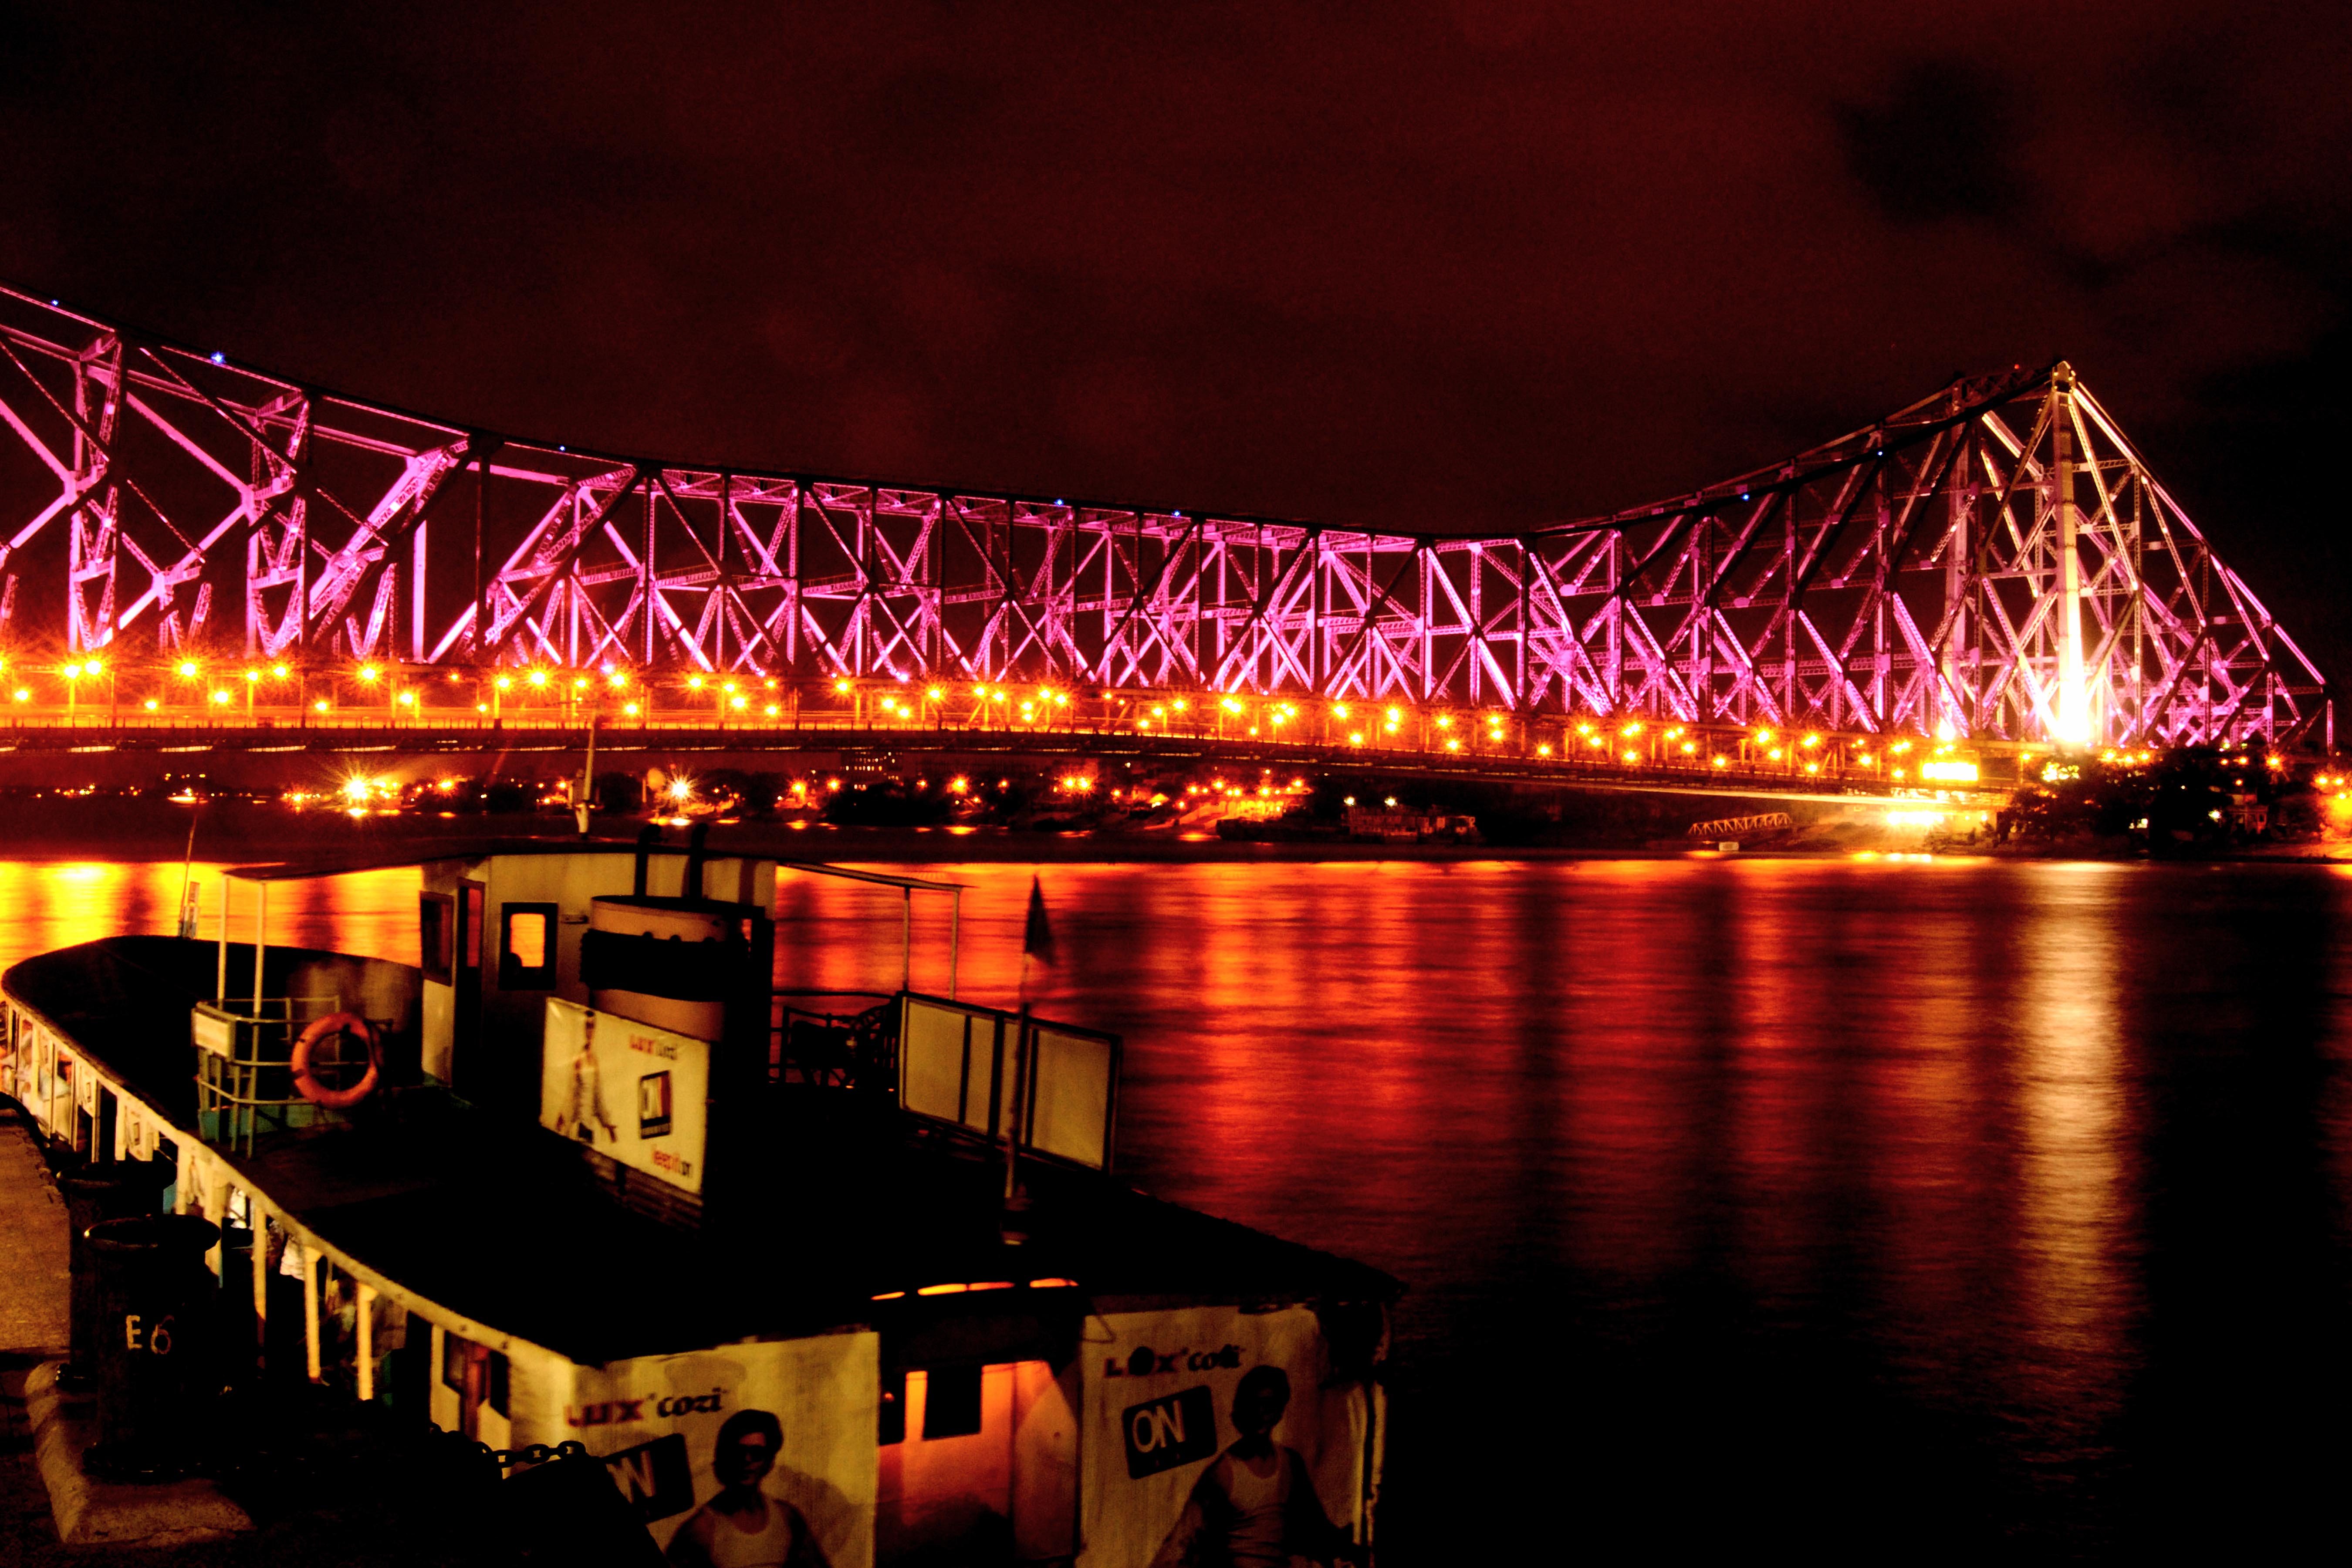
436	934
527	947
951	1402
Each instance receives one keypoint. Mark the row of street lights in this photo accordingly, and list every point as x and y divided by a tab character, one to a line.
614	694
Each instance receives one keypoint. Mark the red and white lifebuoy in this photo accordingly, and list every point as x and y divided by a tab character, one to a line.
317	1093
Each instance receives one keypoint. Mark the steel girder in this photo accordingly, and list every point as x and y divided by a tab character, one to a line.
1908	575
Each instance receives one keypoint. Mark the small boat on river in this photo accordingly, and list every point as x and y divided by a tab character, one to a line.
855	1277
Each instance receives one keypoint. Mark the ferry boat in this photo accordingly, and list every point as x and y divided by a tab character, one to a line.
863	1286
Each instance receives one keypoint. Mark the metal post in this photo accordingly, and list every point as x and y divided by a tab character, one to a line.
260	945
418	653
260	1223
955	935
220	990
367	1341
905	939
313	1267
216	1211
587	801
1956	560
1012	1117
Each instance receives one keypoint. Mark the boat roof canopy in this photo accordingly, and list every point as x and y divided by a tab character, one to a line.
313	866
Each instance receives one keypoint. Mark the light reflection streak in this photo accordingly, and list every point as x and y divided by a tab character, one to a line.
2076	1199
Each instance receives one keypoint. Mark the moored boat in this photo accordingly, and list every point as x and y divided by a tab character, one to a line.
864	1280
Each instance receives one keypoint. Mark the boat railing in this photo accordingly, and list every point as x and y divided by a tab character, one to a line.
834	1047
245	1074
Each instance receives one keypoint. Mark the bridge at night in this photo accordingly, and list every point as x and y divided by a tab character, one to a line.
197	553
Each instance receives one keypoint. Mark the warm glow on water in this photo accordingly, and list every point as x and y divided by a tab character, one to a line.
2007	1200
47	904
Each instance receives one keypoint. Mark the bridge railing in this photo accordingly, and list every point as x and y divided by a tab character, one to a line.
1737	768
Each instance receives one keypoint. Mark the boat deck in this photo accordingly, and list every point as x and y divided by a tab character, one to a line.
499	1221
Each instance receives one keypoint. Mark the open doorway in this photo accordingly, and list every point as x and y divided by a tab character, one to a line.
979	1465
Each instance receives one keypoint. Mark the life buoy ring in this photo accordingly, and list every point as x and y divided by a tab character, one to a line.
311	1089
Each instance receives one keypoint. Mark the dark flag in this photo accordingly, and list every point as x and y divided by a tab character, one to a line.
1037	935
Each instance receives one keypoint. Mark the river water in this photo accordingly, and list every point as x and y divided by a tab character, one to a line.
1872	1208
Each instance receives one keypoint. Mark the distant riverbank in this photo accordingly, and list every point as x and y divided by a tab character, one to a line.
118	828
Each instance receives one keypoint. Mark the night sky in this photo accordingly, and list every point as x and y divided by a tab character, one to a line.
1448	268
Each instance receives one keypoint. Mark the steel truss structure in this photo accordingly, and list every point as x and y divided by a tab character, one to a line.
1995	561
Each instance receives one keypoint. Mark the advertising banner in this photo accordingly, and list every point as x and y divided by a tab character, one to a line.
1209	1437
626	1089
752	1453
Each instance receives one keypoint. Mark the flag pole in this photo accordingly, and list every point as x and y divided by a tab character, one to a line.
1037	941
1019	1096
1020	1086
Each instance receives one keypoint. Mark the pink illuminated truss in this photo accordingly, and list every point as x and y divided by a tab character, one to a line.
1906	575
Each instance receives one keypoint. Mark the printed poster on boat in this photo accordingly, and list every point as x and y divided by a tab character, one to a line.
755	1453
626	1089
1210	1437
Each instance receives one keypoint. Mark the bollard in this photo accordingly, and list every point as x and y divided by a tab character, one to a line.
153	1364
118	1189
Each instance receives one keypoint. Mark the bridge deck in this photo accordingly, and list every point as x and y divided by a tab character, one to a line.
1751	778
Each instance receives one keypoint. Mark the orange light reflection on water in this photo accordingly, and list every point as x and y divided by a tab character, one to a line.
54	904
1919	1110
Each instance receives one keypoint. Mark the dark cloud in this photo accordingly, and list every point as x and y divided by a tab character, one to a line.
1479	264
1940	147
